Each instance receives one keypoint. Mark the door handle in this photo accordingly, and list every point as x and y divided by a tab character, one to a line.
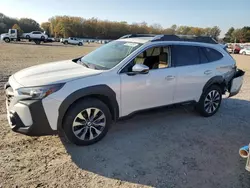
170	77
207	72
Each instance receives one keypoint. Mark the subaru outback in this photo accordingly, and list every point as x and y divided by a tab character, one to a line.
84	96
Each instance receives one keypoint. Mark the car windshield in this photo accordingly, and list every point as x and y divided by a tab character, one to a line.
109	55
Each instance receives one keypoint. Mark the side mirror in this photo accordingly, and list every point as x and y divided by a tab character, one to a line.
140	69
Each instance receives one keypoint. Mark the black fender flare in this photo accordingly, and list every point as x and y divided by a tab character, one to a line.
91	91
214	80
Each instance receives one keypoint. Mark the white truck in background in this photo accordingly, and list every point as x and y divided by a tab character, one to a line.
72	40
14	35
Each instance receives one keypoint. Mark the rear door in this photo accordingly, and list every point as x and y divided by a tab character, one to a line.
194	69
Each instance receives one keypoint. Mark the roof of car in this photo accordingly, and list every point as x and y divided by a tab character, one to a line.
137	39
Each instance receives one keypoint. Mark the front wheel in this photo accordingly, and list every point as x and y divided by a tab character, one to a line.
7	40
42	37
244	53
65	42
27	37
87	122
79	44
210	101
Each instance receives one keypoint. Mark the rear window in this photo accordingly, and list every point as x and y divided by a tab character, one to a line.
211	54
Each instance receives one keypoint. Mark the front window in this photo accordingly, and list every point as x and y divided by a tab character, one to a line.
109	55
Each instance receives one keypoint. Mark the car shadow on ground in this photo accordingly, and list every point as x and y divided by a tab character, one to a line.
173	147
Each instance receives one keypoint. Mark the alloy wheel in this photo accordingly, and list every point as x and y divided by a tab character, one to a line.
89	124
212	101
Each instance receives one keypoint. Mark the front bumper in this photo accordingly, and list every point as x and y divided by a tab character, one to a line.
28	117
236	83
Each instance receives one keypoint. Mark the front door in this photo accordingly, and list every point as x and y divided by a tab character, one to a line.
144	91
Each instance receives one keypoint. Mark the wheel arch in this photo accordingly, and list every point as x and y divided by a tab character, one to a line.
102	92
216	80
6	38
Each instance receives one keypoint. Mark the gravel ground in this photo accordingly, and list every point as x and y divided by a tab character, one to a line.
169	147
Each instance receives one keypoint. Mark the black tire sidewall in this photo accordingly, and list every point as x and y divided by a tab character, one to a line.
80	44
27	36
201	106
7	40
75	109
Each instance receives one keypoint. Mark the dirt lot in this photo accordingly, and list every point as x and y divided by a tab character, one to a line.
170	147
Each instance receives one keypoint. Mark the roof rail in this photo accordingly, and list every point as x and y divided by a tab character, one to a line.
137	35
188	38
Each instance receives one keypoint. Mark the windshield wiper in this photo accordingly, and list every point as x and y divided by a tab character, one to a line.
84	64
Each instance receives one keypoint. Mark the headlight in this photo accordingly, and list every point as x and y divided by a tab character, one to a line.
39	92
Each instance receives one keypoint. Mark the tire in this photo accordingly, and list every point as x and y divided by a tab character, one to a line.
42	37
80	44
96	127
206	106
65	42
244	53
37	42
27	37
7	40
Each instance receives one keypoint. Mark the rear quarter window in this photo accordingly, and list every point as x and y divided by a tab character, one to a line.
211	54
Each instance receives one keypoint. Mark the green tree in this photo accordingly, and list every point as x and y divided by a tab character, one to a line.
28	25
228	35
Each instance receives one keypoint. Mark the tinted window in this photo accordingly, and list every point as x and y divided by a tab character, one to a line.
211	54
185	55
12	31
203	57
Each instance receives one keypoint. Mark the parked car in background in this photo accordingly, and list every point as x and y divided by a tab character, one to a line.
35	35
234	49
72	40
51	39
245	51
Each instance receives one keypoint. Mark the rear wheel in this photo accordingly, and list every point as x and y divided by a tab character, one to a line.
65	42
210	101
27	36
7	40
87	122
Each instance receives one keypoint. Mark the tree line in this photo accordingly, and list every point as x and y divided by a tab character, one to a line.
25	24
238	35
66	26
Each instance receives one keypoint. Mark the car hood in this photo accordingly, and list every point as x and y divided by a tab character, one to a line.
52	73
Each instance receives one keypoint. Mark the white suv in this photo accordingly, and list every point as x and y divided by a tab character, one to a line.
84	96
